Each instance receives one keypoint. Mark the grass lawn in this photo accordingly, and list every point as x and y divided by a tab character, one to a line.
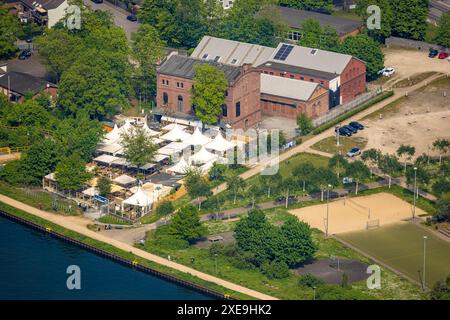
40	199
401	247
345	144
393	286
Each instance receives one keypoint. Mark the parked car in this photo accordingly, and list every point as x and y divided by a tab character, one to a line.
356	125
345	132
351	129
387	72
433	53
354	152
132	17
443	55
29	40
97	1
25	54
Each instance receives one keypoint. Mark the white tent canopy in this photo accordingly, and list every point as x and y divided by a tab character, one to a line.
140	199
150	132
220	144
91	192
126	127
124	180
176	134
203	156
180	167
198	138
171	126
113	135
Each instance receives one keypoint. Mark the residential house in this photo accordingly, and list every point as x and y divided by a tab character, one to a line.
17	85
43	12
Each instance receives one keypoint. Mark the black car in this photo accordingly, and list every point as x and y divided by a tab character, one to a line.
351	129
356	125
97	1
29	40
132	17
343	131
25	54
433	53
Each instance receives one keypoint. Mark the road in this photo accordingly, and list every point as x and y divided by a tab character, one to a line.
119	14
79	225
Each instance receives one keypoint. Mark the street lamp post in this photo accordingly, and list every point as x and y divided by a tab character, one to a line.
215	260
337	135
424	261
415	192
328	208
314	294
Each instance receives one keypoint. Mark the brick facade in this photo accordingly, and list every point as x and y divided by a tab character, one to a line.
174	93
291	108
353	80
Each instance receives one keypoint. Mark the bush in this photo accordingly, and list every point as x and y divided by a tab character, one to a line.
164	239
336	292
310	281
216	248
275	269
243	260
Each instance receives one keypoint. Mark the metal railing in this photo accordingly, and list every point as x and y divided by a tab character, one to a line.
344	108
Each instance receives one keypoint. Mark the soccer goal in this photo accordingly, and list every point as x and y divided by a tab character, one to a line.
373	224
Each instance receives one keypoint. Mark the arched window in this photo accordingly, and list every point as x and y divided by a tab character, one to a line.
180	104
165	98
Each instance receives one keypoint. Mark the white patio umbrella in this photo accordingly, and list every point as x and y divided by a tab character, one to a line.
220	144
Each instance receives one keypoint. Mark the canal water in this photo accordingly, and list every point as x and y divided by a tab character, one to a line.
33	265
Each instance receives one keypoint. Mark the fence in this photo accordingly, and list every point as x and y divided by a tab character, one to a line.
418	45
344	108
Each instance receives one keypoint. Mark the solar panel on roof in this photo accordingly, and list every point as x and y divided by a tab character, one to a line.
284	52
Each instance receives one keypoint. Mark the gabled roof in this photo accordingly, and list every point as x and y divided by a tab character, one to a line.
294	18
231	52
286	87
314	59
23	83
184	67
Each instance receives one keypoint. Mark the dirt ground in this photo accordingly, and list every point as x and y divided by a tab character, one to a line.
418	119
411	62
352	214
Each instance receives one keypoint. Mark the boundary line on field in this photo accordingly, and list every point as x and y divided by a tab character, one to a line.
378	261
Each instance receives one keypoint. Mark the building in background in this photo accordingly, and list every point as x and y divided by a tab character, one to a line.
226	4
43	12
294	18
17	85
437	9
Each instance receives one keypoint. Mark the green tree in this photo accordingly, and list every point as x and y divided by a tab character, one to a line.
338	163
270	181
387	17
104	186
410	18
443	145
304	173
297	243
196	185
314	36
443	31
275	269
325	6
253	192
10	30
365	48
147	57
406	152
208	93
371	158
358	171
235	184
304	123
165	209
389	165
186	224
40	160
423	177
138	146
71	174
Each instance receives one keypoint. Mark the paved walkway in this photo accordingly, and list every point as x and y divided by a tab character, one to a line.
398	93
79	225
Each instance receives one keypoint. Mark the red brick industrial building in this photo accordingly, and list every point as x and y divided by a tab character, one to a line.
284	81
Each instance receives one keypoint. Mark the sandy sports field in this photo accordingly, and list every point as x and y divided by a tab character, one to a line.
352	214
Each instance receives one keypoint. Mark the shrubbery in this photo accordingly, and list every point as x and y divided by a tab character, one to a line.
275	269
310	281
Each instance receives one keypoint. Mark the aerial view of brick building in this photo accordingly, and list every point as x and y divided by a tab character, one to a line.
284	81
